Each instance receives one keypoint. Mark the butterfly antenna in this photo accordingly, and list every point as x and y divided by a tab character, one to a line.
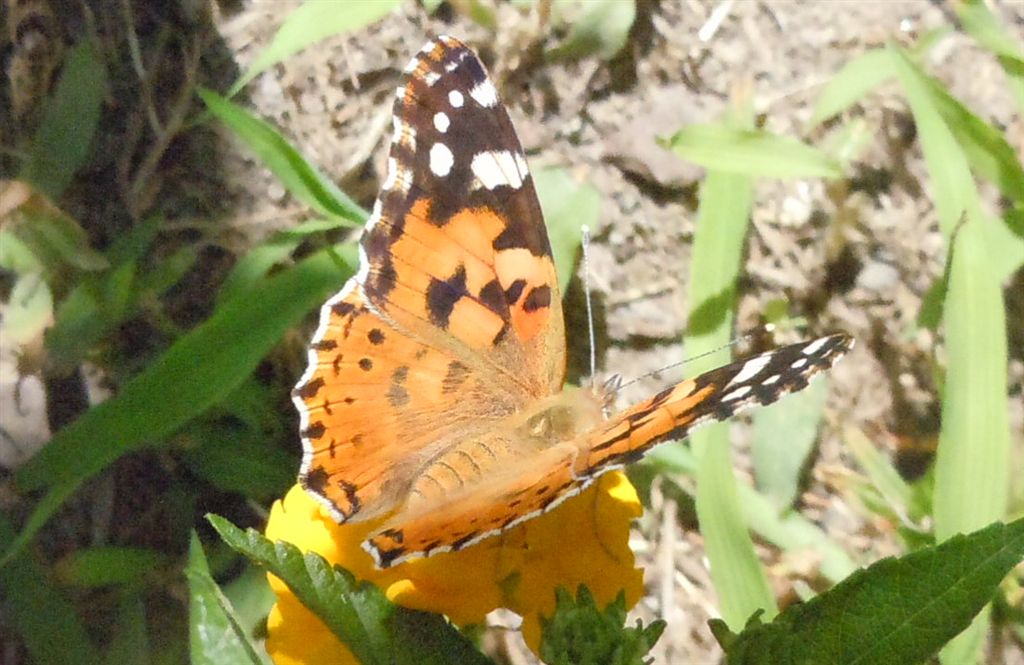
766	328
585	244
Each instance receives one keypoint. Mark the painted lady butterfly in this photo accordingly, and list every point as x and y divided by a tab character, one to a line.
433	399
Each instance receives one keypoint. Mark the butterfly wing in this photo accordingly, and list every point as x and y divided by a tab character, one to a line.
453	320
521	493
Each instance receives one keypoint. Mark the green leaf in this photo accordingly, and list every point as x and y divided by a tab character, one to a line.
897	611
883	475
43	618
251	596
311	22
721	231
599	27
237	459
751	152
298	176
70	116
211	360
358	613
568	206
580	633
985	28
215	634
56	237
989	153
852	83
105	565
949	175
782	439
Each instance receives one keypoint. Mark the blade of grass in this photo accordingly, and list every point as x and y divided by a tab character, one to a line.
199	370
779	460
70	116
311	22
104	565
305	182
972	462
885	478
987	150
720	235
852	83
130	642
986	29
790	531
751	152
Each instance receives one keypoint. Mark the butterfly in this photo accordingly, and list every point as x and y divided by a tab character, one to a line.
433	398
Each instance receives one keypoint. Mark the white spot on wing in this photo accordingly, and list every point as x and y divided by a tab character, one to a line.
400	92
798	363
441	121
751	369
740	392
430	78
496	167
484	94
441	160
815	346
771	380
456	99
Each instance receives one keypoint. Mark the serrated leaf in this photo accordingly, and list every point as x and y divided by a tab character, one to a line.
304	181
216	636
895	612
358	613
751	152
311	22
580	633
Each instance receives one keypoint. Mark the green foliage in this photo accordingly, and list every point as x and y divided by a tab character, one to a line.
580	633
898	611
751	152
215	633
374	629
212	359
106	565
304	181
71	114
779	459
43	617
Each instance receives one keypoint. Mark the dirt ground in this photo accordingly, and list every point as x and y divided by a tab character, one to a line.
856	256
600	121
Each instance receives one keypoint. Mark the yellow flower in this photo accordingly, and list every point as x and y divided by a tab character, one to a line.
583	541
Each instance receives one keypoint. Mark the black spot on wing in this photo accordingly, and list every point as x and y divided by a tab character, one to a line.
539	298
514	291
493	298
443	294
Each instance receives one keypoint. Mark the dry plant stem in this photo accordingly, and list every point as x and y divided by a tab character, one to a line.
139	190
139	66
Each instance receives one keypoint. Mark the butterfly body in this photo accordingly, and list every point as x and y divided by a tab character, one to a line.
433	398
